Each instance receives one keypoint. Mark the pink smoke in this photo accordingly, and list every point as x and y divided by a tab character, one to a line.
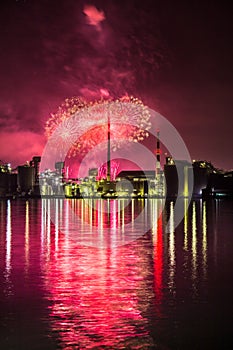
94	16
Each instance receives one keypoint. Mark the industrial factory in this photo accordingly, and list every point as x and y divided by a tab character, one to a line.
177	178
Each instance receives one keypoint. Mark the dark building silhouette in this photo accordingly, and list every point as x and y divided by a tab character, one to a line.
12	183
3	184
4	179
220	184
26	179
178	176
35	163
59	167
201	172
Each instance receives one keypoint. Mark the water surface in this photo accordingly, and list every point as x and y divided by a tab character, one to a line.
102	281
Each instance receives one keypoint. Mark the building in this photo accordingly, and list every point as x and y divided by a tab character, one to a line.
134	182
26	179
178	177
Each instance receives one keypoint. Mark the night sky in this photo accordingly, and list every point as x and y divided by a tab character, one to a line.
176	56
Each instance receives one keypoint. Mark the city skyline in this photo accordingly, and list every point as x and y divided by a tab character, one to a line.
175	57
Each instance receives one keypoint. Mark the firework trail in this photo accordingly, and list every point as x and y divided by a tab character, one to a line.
102	171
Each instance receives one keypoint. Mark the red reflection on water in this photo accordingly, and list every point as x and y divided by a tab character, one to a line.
105	214
99	296
158	263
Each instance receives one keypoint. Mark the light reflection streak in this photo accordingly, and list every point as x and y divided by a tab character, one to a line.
204	239
119	211
48	231
26	247
8	240
101	218
132	212
114	223
157	235
43	223
56	223
67	210
186	224
194	245
90	220
172	265
102	305
154	218
8	286
98	296
146	209
123	215
216	215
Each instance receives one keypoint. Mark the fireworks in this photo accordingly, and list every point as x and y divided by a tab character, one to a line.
102	171
84	125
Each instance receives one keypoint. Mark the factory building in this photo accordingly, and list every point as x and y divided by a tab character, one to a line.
8	181
202	171
35	163
26	179
178	177
220	184
12	183
134	182
3	184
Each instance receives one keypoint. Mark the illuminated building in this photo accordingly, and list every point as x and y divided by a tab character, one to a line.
72	190
134	182
51	183
157	186
93	172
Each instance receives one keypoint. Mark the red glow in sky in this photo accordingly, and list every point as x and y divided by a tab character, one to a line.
176	57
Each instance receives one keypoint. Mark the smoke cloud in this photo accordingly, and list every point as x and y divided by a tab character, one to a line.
94	16
74	49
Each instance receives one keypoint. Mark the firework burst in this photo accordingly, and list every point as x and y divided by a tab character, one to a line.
84	125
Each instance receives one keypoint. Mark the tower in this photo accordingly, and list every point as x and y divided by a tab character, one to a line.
159	175
109	153
158	165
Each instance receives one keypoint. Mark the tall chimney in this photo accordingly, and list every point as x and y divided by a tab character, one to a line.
158	165
109	153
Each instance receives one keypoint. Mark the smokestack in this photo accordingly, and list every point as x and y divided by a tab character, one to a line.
158	165
108	153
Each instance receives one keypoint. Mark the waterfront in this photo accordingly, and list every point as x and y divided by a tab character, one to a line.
65	287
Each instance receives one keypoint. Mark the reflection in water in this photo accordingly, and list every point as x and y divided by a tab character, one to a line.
186	224
172	265
100	296
56	223
128	296
27	237
194	245
8	286
204	239
157	232
8	240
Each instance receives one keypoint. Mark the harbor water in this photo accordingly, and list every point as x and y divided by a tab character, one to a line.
115	274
